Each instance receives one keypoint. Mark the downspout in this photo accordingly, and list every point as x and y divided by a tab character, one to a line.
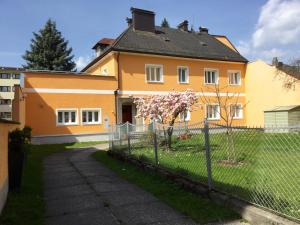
118	88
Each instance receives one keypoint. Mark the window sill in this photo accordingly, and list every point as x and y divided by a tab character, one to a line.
155	82
235	85
237	118
86	124
183	82
213	118
66	124
211	83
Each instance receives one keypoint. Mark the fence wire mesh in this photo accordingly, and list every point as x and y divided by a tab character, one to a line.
261	166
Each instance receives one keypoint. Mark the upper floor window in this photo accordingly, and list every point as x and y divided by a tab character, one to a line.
236	111
5	88
15	76
234	77
4	76
183	74
66	117
154	73
5	101
211	76
213	112
185	116
91	116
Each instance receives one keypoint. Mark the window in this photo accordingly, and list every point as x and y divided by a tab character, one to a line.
5	101
15	76
4	76
186	116
13	88
5	115
91	116
211	76
213	112
236	111
67	117
154	73
234	77
5	89
183	74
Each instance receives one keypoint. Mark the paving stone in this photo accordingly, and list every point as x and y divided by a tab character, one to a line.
146	213
113	187
66	181
101	178
91	217
122	198
68	191
61	169
64	206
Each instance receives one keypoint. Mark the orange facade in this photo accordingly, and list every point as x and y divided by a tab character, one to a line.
112	93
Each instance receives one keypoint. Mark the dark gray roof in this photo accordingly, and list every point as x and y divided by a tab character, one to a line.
173	42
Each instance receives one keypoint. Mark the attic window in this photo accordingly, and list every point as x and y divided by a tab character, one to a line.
167	39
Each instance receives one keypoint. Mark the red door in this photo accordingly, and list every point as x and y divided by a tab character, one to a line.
126	113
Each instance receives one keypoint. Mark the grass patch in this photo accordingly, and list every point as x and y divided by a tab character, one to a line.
27	205
200	209
266	172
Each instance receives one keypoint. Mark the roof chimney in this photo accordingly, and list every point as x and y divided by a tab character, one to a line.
143	20
184	25
203	30
129	21
275	61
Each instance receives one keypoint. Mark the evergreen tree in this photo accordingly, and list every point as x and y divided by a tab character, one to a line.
165	23
49	50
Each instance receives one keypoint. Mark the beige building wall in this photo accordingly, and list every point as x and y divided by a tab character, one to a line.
6	109
264	89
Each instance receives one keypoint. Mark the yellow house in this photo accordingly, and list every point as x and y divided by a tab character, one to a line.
265	90
144	60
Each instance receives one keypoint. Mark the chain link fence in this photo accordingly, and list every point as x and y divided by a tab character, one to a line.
261	166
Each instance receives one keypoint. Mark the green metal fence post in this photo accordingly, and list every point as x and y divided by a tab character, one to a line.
207	155
155	144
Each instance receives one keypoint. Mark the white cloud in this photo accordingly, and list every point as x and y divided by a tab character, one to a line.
276	33
278	24
82	61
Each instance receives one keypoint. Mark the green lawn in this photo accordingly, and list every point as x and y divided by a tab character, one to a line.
200	209
26	207
267	172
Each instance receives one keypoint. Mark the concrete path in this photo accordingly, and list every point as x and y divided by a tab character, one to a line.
80	191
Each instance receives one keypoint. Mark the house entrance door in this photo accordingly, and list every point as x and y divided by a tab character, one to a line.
126	113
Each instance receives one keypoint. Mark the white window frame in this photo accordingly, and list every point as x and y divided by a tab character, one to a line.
161	73
217	75
206	112
188	116
89	110
187	74
69	123
229	72
241	112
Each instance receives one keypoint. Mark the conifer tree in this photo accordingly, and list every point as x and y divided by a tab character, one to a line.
49	50
165	23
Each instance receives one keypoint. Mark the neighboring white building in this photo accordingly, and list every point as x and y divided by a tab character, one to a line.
9	76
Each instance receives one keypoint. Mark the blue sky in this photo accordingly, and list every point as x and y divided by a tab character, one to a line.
259	28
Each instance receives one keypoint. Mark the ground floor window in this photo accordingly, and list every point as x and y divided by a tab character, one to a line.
185	116
213	112
236	111
90	116
67	117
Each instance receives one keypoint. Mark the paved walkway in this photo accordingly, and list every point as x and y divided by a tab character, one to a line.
80	191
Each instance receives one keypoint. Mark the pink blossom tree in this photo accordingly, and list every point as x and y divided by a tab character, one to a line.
166	108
